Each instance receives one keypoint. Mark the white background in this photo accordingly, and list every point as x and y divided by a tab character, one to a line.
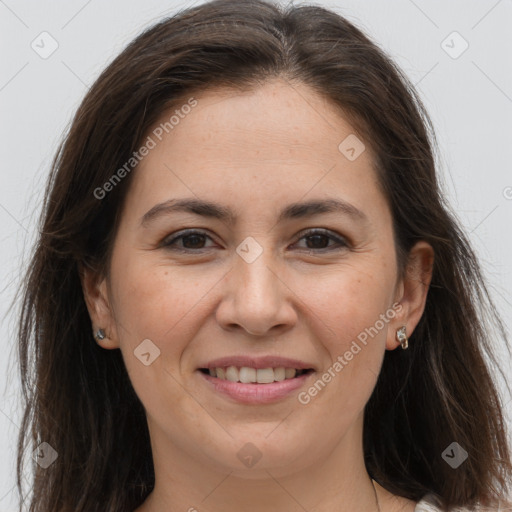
469	99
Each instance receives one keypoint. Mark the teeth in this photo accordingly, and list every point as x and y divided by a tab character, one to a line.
232	373
248	375
279	374
265	375
289	373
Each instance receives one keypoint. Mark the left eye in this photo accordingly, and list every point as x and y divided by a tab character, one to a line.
194	240
318	236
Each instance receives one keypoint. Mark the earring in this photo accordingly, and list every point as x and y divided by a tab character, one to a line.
100	334
402	337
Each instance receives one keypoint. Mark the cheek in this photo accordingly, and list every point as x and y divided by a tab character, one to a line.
351	299
352	310
152	301
157	304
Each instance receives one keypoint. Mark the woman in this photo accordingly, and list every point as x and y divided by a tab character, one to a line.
258	368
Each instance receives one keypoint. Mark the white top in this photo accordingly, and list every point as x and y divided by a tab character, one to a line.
425	505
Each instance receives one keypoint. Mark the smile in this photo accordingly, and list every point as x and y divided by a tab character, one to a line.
248	385
249	375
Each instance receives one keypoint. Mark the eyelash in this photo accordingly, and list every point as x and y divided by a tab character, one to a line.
168	243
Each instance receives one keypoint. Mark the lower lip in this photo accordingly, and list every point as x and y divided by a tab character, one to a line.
256	393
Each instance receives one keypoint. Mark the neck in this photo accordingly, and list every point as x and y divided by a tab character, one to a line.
334	480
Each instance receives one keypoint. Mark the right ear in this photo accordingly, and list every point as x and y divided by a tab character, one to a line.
94	288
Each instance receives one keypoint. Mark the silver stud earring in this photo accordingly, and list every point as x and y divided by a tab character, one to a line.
401	336
100	334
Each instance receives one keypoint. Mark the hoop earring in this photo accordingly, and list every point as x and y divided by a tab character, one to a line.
401	337
100	334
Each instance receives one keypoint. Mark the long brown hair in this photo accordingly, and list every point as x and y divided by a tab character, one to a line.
78	397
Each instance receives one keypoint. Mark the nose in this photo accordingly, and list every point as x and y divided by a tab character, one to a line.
256	298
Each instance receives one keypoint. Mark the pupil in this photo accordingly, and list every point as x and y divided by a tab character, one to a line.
193	237
317	237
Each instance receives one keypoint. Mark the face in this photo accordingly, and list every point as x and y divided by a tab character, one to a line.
255	280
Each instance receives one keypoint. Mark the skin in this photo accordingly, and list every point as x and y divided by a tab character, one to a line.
255	152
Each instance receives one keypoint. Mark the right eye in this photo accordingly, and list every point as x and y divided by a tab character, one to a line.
190	238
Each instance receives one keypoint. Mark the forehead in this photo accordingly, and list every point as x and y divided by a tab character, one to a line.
277	119
271	143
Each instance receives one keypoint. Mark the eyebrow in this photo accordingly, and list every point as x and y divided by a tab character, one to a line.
213	210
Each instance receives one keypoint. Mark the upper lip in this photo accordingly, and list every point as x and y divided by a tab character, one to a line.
258	362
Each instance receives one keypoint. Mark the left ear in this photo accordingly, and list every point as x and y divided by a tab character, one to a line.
412	291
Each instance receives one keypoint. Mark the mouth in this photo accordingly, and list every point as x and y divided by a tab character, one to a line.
250	375
245	380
